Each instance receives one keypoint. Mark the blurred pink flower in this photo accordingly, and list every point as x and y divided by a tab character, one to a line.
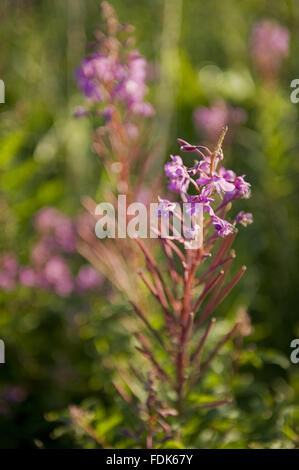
49	267
58	274
8	271
46	219
65	235
9	264
88	278
40	252
27	277
6	282
210	120
126	81
50	221
269	46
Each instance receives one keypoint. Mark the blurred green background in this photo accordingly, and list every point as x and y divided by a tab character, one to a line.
57	352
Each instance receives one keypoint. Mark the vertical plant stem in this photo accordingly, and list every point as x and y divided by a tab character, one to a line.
192	265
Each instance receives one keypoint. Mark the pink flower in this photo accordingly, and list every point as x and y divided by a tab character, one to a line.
210	183
58	275
65	235
269	46
9	264
8	271
46	219
244	218
165	208
27	277
222	227
42	250
114	75
7	283
178	175
210	120
215	182
88	278
51	221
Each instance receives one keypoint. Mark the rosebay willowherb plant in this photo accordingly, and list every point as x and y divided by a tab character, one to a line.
196	285
192	281
188	292
113	81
